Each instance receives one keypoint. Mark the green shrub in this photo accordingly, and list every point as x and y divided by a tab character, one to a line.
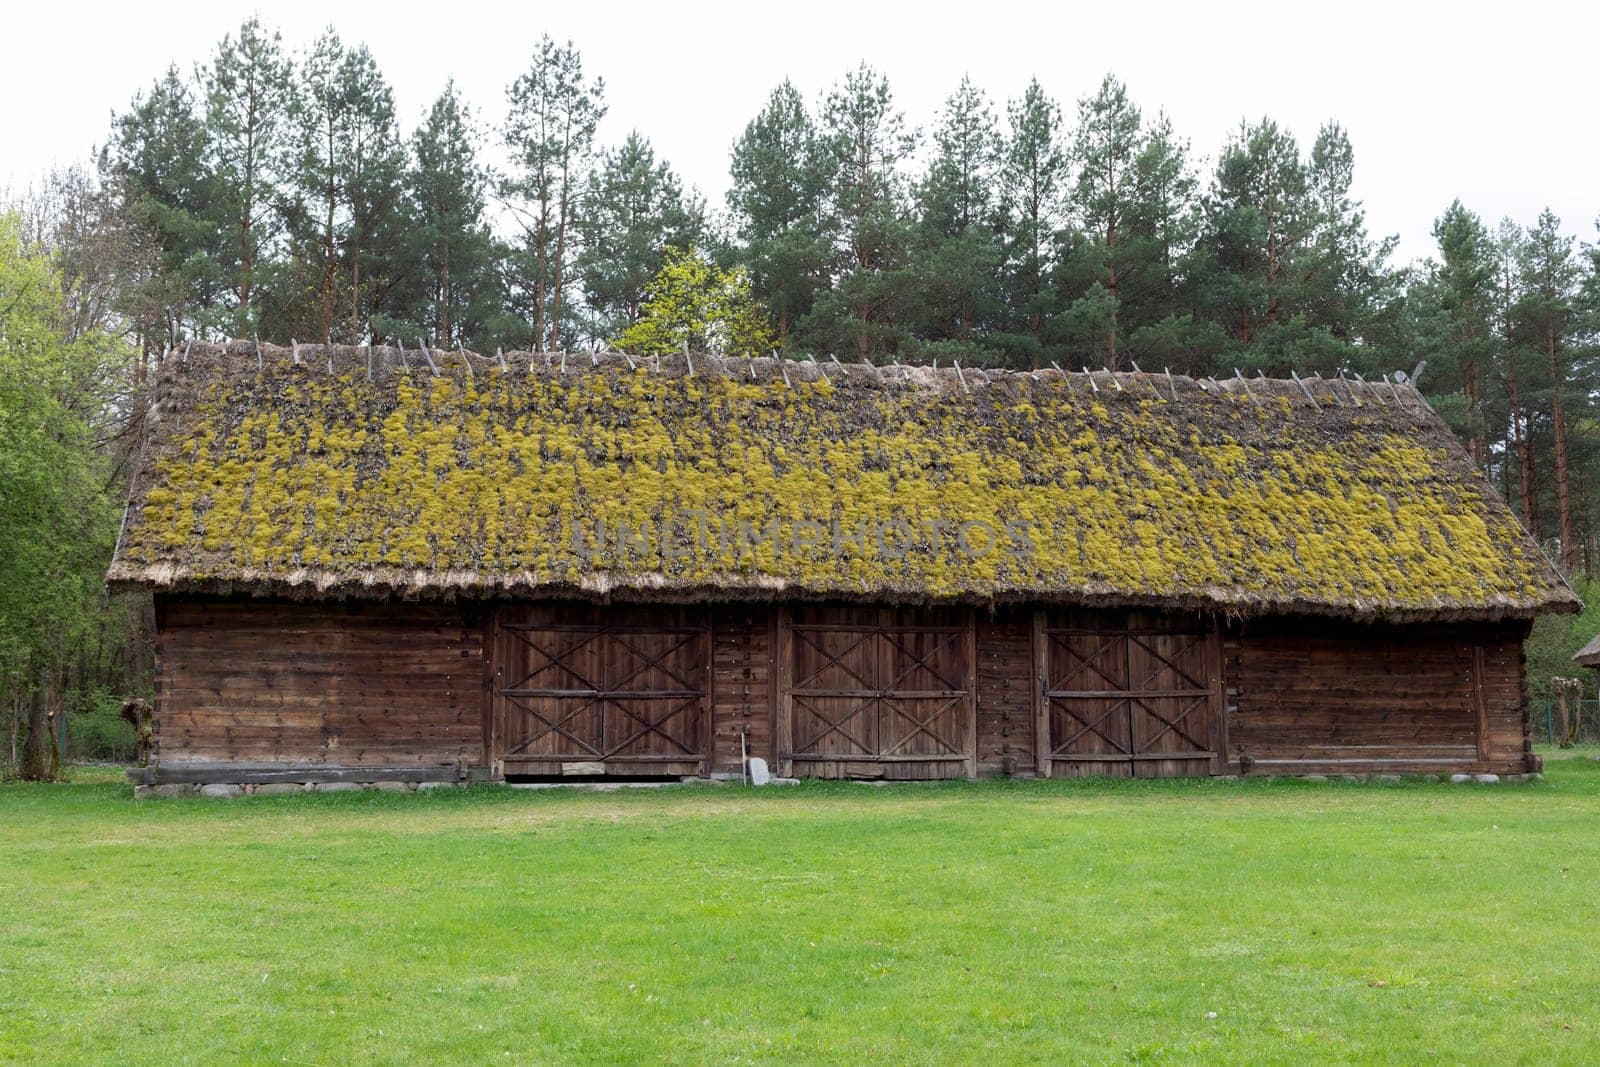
97	729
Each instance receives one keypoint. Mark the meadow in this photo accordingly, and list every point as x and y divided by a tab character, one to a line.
1055	921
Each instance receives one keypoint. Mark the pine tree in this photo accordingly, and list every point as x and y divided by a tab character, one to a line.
453	289
778	200
1161	229
376	191
550	130
1349	289
318	222
868	143
248	94
1464	281
634	208
1548	276
156	161
958	251
1258	224
1105	148
1508	244
1031	181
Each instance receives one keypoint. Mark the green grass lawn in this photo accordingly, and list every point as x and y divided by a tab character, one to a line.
1046	921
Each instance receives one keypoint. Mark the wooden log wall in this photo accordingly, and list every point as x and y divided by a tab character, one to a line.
744	683
1313	697
1006	711
265	683
251	683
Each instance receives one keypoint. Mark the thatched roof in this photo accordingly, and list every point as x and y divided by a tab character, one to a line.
343	473
1588	655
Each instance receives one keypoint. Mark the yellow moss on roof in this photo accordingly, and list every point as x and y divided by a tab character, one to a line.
528	481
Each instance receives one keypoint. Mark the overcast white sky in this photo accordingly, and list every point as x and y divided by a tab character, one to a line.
1494	104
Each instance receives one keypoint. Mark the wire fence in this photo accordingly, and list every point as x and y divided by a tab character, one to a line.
1544	720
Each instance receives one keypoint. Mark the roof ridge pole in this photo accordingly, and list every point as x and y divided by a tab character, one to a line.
1171	384
186	345
752	358
461	350
961	377
631	365
785	371
500	358
1237	373
687	359
1356	400
294	351
1394	389
658	362
260	363
330	359
1093	386
428	356
404	362
873	367
563	361
1304	388
369	361
594	358
1145	378
1370	388
1114	379
1331	390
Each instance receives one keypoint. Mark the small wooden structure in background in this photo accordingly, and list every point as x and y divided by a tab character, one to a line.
381	572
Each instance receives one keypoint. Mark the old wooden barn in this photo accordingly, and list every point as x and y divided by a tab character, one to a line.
374	564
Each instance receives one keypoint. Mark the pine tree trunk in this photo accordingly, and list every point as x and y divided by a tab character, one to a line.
327	263
1569	547
1521	449
441	324
1472	386
541	279
1111	285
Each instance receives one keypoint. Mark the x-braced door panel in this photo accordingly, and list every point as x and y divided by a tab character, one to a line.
877	686
625	686
1135	694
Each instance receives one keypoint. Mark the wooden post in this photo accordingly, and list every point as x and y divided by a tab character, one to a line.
1042	766
491	665
971	640
709	685
772	682
1216	669
785	710
1480	702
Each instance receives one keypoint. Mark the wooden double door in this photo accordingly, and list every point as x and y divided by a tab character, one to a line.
1128	693
582	689
877	692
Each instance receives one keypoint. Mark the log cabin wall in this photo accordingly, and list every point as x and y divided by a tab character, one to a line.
1315	697
949	692
743	684
1006	712
329	685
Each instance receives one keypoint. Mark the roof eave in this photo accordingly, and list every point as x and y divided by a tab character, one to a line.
421	585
